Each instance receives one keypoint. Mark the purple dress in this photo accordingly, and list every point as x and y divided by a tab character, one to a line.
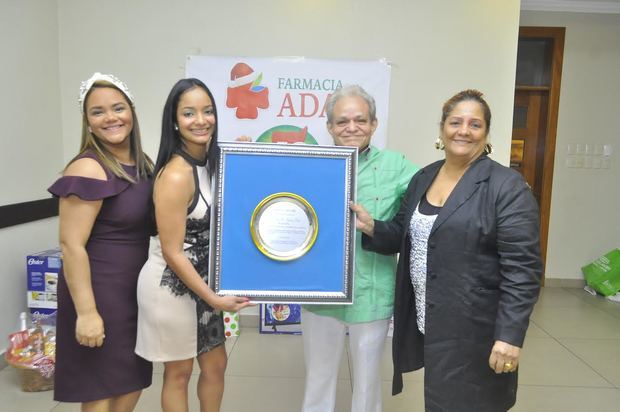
117	249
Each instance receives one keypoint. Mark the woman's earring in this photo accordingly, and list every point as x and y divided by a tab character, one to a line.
90	130
439	144
176	127
488	148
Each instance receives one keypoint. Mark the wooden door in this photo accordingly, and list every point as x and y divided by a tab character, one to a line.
528	137
537	100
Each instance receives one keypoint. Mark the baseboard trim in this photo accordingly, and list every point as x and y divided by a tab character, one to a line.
245	322
565	283
3	363
249	321
26	212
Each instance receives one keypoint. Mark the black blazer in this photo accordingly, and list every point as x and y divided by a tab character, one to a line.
483	278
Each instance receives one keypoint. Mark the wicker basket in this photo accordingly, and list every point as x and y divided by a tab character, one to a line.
36	373
33	381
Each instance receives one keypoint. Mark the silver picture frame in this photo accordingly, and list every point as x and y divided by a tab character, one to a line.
240	264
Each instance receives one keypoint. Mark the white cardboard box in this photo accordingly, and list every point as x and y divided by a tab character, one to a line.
42	271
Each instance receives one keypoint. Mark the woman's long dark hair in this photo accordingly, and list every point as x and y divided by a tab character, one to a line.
171	141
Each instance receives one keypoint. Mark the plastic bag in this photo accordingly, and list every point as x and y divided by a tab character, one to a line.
231	324
603	275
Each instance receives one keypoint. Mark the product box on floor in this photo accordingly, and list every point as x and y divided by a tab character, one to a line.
42	271
280	318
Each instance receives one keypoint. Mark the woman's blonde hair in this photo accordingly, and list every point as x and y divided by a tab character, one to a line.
91	143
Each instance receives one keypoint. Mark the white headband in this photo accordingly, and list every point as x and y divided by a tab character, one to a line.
88	84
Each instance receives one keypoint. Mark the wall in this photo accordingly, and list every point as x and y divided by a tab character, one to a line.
29	106
30	141
436	49
584	206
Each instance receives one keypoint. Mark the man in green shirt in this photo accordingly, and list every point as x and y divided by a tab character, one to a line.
382	180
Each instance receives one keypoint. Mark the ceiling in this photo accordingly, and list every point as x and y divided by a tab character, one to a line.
577	6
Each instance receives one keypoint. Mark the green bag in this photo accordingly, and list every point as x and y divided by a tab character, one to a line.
603	275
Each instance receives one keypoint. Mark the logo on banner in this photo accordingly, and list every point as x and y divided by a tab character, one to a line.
245	93
287	133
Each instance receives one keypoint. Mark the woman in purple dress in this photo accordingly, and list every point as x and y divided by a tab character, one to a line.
104	235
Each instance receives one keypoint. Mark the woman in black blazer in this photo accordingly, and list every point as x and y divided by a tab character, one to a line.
469	269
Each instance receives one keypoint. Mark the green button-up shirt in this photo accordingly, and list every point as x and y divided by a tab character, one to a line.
382	179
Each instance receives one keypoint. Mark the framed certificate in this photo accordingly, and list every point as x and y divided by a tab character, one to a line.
281	227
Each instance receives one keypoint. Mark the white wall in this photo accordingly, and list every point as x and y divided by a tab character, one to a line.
30	140
29	107
436	48
584	206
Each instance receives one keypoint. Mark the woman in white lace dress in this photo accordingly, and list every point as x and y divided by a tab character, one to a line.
179	316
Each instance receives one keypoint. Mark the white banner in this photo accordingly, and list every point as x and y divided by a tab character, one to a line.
283	99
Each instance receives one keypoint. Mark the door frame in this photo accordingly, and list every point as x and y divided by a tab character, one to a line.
556	34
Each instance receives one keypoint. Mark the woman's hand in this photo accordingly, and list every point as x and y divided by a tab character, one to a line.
231	303
504	357
363	220
89	330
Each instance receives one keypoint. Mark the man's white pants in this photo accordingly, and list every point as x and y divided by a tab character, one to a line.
323	338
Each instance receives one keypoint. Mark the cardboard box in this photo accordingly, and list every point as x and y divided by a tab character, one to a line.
42	273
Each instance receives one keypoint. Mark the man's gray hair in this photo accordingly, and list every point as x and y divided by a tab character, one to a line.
351	91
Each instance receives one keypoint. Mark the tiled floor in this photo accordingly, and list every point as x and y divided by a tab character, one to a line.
570	362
